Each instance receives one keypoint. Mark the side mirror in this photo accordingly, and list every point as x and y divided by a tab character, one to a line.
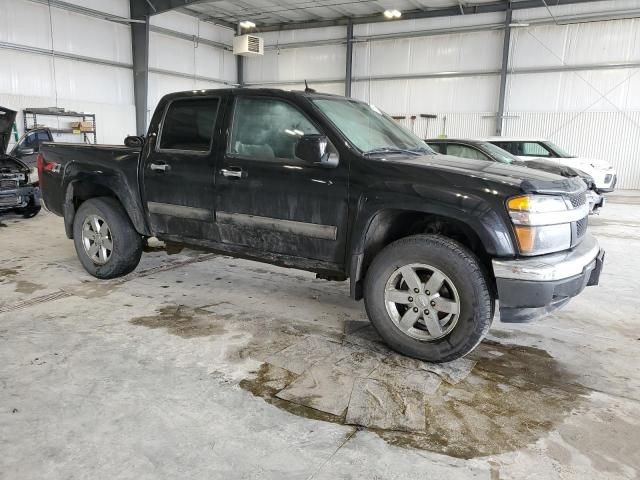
134	141
26	151
315	149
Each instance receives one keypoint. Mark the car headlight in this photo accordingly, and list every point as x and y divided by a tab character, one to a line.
542	223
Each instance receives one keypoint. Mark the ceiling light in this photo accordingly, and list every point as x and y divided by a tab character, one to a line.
247	24
518	25
390	14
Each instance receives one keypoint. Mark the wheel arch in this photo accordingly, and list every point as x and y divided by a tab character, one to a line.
385	225
79	190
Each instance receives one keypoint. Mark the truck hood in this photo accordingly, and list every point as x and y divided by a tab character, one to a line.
7	117
11	165
529	180
557	168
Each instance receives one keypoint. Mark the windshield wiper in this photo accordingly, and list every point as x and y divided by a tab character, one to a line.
375	151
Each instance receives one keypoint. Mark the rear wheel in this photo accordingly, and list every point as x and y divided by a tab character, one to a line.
428	298
106	242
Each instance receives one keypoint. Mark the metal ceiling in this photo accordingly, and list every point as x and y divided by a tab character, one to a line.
289	14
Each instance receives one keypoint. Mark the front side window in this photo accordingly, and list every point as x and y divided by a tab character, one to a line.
437	147
188	124
369	129
465	152
267	128
499	154
562	153
534	149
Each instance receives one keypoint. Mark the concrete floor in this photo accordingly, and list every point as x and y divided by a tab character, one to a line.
202	366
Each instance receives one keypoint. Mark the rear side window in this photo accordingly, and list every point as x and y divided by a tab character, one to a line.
188	124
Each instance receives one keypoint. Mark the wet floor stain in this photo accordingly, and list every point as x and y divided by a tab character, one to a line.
23	286
181	321
508	398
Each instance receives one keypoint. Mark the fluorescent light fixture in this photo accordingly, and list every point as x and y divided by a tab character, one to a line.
247	24
518	24
391	14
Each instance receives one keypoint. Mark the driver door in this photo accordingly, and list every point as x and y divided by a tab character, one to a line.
269	200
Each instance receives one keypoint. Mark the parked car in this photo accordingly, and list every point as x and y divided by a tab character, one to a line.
604	175
334	186
483	150
19	191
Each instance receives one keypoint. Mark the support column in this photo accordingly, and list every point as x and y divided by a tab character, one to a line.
349	60
240	63
503	72
140	48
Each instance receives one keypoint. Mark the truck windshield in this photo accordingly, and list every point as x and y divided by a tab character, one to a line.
369	129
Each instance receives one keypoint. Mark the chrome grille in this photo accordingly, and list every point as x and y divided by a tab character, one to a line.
8	184
581	227
578	199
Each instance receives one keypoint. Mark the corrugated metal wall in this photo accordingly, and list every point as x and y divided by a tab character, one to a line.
36	80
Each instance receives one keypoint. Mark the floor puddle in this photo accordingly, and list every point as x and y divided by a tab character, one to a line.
500	398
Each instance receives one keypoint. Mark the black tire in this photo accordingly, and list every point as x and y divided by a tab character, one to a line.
30	212
463	269
127	243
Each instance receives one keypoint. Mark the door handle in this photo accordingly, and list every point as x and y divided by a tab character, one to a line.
162	167
233	172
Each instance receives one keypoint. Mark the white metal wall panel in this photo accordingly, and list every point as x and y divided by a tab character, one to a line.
114	7
93	83
610	136
465	125
25	23
312	63
91	37
576	44
192	26
604	90
431	95
307	35
602	7
439	53
170	53
26	74
435	23
185	56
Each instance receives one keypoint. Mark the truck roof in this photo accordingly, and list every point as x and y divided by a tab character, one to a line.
265	91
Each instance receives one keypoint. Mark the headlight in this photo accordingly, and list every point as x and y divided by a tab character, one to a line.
542	223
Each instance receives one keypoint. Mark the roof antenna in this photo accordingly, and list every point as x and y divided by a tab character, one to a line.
307	89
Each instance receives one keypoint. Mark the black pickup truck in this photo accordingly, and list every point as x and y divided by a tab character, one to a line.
334	186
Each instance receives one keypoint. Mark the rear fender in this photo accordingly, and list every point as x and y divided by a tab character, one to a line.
111	184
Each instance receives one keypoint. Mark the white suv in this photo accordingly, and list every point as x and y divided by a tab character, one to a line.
604	175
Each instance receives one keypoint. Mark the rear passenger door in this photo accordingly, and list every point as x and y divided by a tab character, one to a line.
179	170
269	200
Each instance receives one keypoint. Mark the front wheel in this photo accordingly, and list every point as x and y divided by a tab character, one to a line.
106	242
428	298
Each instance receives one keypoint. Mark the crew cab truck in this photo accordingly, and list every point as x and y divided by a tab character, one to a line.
333	186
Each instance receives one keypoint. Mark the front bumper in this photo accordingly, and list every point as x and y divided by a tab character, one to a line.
596	201
533	287
22	197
